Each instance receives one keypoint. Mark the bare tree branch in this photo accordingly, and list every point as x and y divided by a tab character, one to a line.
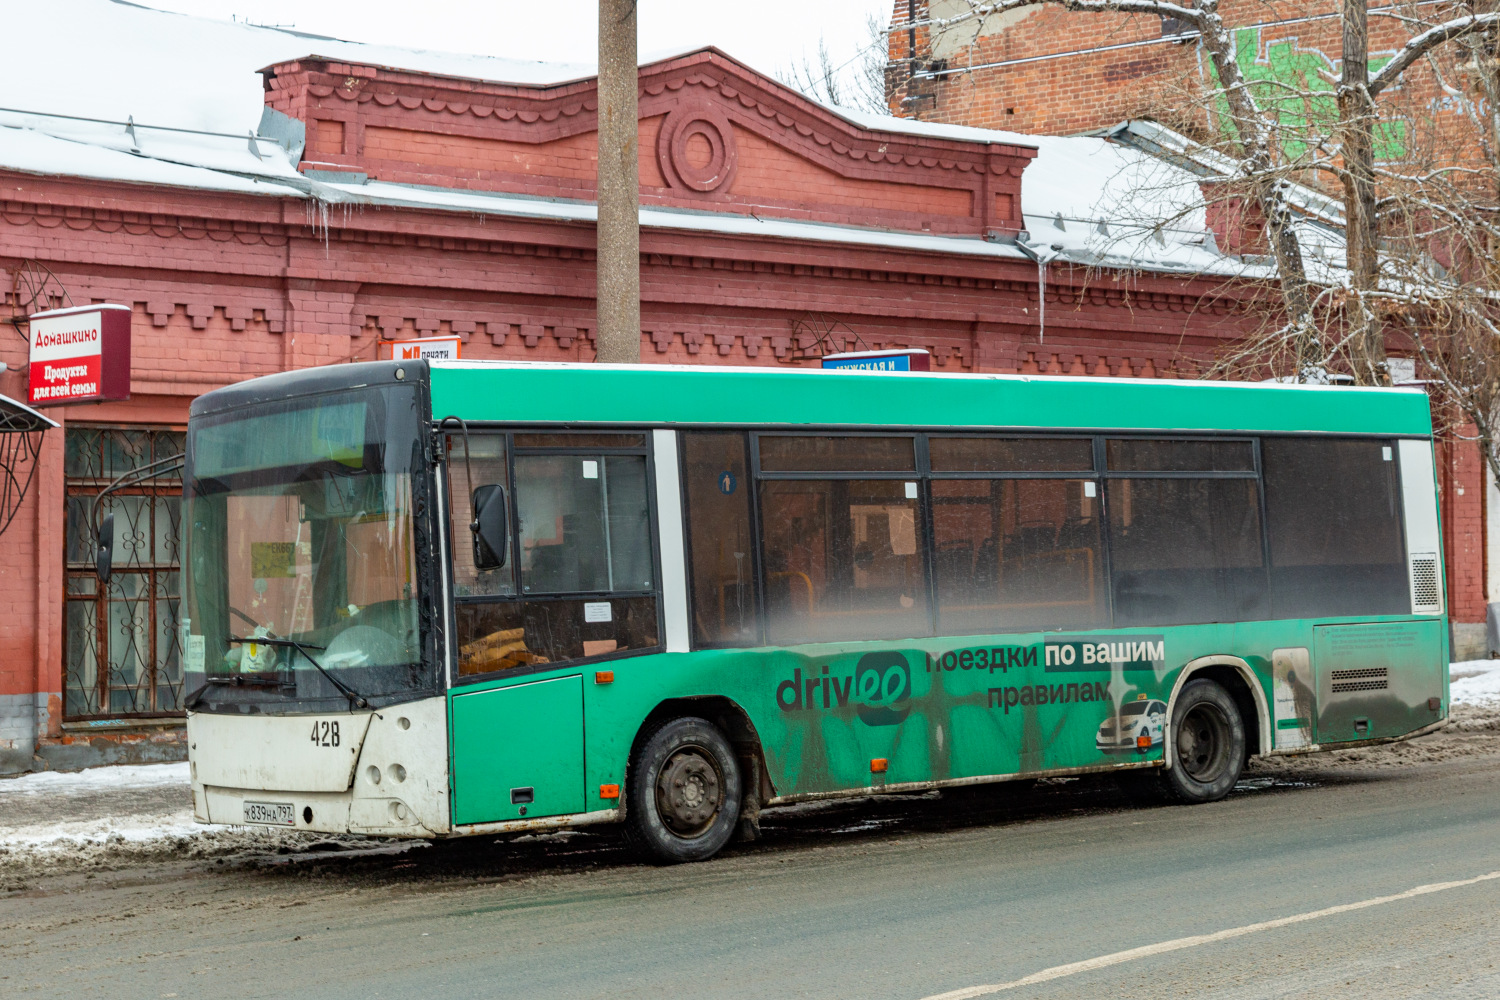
1428	40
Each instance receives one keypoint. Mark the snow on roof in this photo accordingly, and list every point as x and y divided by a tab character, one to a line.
931	130
27	150
124	60
1084	199
1092	201
1210	164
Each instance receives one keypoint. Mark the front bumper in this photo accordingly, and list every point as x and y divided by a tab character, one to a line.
387	775
320	812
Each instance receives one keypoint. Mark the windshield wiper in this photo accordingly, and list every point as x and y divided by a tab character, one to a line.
356	700
233	680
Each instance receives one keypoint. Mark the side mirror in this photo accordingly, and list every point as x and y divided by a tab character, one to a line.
489	527
104	548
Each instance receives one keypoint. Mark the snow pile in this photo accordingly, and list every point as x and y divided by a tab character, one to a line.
57	813
49	784
1475	682
1087	200
495	203
33	151
111	816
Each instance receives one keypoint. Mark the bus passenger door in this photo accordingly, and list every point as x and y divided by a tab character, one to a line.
518	751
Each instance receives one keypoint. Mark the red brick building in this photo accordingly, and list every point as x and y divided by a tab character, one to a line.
382	203
1047	70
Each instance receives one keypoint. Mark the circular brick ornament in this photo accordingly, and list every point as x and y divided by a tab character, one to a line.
679	145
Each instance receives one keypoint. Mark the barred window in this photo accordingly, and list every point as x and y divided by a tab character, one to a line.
120	647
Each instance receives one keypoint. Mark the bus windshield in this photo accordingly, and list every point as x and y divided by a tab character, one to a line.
299	531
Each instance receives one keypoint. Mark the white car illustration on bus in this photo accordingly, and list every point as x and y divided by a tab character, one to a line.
1141	724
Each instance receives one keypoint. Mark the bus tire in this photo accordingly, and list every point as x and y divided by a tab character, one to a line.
684	792
1209	738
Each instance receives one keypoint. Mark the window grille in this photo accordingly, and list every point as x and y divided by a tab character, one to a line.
120	646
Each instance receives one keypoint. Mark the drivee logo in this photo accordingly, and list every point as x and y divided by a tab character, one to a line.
879	688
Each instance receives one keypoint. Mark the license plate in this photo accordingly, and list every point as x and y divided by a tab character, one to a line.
269	813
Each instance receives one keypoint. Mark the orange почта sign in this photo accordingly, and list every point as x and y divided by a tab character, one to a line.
418	348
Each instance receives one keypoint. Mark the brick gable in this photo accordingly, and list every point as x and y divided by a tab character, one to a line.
774	152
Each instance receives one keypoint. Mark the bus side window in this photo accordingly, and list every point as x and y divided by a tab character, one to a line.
1014	550
581	550
585	525
1334	518
487	460
843	557
1017	553
717	484
1185	550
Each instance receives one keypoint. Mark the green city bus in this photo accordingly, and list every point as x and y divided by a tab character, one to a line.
436	599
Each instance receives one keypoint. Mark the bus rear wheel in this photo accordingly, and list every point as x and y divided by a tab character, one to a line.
683	792
1208	736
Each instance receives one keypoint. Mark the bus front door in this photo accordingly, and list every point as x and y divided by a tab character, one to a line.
518	751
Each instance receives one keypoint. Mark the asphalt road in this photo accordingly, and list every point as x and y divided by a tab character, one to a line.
901	898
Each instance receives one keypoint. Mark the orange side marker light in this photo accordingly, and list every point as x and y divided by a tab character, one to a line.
878	765
1143	743
609	791
604	676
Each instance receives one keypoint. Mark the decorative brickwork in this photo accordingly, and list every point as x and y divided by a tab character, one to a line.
800	160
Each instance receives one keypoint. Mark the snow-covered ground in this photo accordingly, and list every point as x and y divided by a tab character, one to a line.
1474	682
112	815
39	808
109	816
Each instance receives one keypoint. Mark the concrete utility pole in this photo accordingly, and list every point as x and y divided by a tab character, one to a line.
619	233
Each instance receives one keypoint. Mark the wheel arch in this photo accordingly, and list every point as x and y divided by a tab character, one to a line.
723	712
1236	677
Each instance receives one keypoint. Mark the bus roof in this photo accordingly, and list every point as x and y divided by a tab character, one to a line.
521	392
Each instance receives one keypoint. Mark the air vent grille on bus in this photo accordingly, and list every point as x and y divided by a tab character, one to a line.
1363	679
1424	581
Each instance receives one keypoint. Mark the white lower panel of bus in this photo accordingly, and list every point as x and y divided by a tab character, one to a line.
386	775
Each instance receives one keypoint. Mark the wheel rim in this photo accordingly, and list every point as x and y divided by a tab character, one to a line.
689	792
1203	743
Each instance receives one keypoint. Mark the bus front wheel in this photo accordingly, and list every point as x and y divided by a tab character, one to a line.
684	792
1208	736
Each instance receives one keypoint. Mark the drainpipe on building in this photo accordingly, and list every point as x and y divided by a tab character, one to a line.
911	35
618	258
